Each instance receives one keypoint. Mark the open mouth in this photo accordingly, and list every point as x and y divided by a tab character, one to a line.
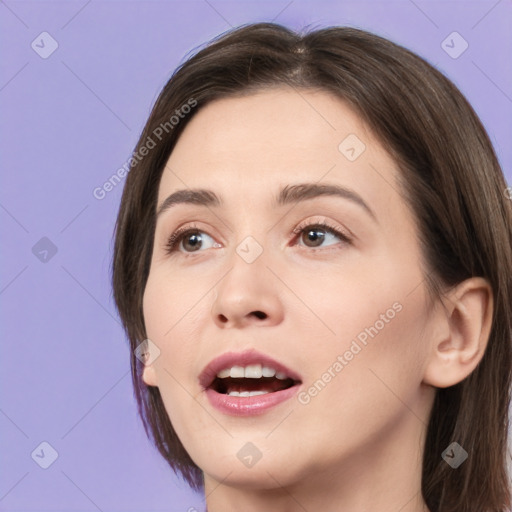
251	380
248	383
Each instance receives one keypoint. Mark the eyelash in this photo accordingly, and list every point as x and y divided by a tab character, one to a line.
175	239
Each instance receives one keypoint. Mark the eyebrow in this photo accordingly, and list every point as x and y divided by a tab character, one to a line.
289	194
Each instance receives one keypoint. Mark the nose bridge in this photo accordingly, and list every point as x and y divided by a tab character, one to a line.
248	272
248	291
252	238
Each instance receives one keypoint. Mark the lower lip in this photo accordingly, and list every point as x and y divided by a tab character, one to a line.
249	405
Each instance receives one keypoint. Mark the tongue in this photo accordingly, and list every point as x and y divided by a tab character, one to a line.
270	384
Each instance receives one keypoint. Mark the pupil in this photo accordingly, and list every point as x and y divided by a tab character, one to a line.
195	244
314	236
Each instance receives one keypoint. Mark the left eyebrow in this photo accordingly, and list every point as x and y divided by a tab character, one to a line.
288	194
305	191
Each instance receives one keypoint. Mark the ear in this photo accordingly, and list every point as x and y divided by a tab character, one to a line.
461	334
150	352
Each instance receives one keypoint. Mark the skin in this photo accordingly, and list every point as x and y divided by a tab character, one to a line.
358	444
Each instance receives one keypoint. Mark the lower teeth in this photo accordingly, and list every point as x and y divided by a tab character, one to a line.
247	393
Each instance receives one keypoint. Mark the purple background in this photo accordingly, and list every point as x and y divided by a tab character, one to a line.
68	123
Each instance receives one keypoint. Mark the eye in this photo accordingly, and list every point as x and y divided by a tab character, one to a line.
318	232
190	237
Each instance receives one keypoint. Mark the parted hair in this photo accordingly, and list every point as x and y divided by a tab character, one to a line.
449	175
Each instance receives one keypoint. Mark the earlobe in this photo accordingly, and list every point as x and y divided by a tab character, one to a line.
149	375
462	334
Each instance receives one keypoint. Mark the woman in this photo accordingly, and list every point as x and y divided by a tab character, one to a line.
313	266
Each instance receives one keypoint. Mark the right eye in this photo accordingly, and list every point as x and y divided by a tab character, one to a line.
191	236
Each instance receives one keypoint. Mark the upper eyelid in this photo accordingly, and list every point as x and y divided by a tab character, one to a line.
315	220
326	224
310	220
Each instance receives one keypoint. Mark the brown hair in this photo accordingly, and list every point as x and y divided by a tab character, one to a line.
449	175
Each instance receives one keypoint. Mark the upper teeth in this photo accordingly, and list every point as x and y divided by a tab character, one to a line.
251	371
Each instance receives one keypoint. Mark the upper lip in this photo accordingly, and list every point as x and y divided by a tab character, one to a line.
229	359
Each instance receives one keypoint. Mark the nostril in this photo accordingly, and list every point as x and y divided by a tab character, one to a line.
258	314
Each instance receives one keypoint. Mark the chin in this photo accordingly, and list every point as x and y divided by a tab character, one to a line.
259	477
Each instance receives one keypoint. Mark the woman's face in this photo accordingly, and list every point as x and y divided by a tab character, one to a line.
347	317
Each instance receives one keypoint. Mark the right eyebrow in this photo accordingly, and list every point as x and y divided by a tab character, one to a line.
200	197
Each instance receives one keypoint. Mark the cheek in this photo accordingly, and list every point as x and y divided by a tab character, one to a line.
153	307
174	312
384	361
370	319
166	315
170	318
375	386
170	304
342	302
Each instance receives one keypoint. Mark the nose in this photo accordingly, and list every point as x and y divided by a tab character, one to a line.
248	295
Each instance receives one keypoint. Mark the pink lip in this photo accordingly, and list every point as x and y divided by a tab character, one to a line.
249	405
245	406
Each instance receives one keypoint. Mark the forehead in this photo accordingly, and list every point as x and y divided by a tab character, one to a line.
246	148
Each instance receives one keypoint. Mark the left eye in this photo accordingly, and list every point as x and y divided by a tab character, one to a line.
316	233
194	238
